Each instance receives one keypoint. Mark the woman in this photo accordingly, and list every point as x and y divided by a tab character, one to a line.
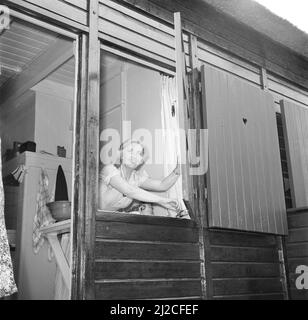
121	184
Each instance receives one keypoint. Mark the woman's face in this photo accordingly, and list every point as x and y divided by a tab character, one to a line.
132	155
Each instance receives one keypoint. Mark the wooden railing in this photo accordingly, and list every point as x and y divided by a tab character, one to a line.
146	257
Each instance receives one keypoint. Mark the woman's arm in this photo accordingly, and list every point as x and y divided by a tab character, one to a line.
162	185
136	193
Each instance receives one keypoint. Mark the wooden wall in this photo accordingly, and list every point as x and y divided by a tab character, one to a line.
228	34
245	183
297	250
73	13
243	266
137	33
158	258
139	257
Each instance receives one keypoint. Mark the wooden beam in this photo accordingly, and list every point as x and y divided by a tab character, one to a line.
199	181
47	63
60	257
78	272
182	108
73	21
87	162
264	79
92	148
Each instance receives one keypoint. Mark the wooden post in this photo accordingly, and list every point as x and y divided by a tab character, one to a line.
264	79
280	241
199	181
182	107
87	161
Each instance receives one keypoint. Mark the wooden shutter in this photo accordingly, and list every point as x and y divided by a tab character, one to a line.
295	126
245	185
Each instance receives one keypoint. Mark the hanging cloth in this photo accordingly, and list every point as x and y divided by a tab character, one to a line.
171	142
43	217
7	282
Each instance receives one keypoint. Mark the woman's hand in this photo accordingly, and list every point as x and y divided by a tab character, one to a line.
170	204
177	170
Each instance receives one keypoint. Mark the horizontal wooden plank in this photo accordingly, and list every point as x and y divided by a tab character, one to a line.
134	38
146	270
147	290
140	52
244	254
83	4
218	62
298	220
241	239
146	251
299	294
204	46
270	296
139	219
297	210
139	232
245	270
41	11
64	9
293	263
297	250
281	92
293	282
246	286
139	17
298	235
137	26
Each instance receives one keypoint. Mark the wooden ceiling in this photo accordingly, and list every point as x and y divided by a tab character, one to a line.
22	45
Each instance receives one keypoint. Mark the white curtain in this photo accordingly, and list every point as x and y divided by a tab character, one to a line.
171	145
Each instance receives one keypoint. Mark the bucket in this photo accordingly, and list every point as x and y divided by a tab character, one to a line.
60	210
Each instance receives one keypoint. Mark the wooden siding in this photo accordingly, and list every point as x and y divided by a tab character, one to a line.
135	32
297	249
245	177
212	56
243	266
295	124
229	35
139	257
73	13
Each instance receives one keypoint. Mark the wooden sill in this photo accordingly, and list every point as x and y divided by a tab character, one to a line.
58	228
295	210
143	219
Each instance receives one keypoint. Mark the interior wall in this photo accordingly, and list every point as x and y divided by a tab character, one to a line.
54	117
143	108
17	121
111	96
